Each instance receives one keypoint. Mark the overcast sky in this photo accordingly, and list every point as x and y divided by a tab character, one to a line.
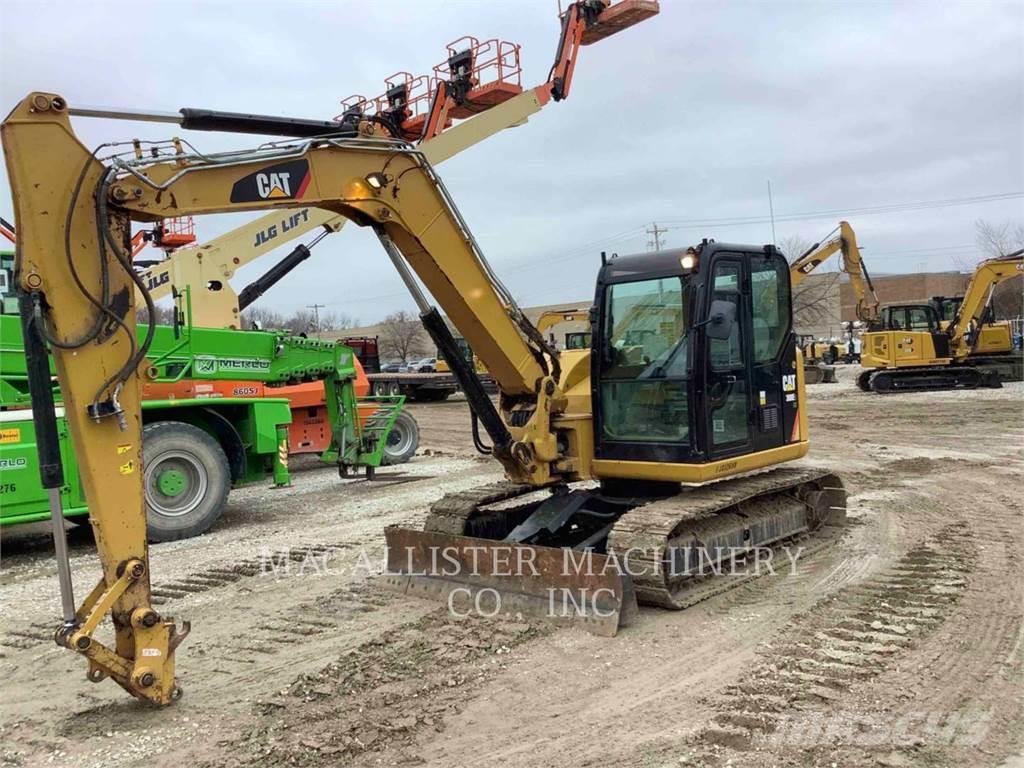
681	120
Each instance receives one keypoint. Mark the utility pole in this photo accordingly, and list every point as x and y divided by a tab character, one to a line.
316	316
655	232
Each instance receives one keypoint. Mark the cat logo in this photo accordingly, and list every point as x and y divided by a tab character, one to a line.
273	185
283	181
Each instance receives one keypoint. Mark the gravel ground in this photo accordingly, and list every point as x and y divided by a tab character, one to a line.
899	645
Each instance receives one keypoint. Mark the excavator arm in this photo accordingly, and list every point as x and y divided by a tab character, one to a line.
73	265
963	330
852	264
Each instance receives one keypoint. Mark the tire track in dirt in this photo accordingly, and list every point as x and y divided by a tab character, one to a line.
969	672
847	638
173	594
371	704
957	673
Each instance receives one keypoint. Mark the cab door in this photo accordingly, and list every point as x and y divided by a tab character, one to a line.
727	372
772	353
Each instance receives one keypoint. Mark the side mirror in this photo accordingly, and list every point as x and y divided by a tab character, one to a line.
720	320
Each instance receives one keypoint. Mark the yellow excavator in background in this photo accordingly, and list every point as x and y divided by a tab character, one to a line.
693	376
910	347
574	339
994	343
852	264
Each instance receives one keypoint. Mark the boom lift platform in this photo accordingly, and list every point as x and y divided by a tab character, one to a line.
487	73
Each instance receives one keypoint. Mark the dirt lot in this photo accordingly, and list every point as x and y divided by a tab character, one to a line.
899	645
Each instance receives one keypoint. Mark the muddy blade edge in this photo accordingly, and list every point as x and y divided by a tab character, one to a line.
485	577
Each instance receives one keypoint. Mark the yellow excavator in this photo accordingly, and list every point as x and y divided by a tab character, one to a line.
852	264
573	339
692	377
911	347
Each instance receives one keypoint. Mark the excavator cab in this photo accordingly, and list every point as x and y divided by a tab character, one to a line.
693	376
917	318
693	356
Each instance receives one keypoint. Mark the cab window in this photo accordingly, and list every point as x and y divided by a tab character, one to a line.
645	357
770	303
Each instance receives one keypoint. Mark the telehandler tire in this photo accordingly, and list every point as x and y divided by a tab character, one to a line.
403	440
186	480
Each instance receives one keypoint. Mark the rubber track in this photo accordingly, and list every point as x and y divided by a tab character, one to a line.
651	528
450	513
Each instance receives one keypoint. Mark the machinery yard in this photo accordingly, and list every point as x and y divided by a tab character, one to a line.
899	644
749	495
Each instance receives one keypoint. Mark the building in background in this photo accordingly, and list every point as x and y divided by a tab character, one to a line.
828	303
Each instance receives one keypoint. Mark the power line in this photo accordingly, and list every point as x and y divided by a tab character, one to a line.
590	247
316	316
919	205
655	232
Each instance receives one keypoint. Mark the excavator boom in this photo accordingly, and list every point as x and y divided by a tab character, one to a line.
209	268
80	289
978	297
851	264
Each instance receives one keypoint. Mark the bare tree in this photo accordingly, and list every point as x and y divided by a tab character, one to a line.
337	321
302	321
164	315
995	240
402	336
263	318
814	300
998	239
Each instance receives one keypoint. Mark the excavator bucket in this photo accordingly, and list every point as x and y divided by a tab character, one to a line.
618	17
484	577
819	373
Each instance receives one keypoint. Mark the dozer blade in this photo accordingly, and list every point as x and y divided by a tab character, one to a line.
488	578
